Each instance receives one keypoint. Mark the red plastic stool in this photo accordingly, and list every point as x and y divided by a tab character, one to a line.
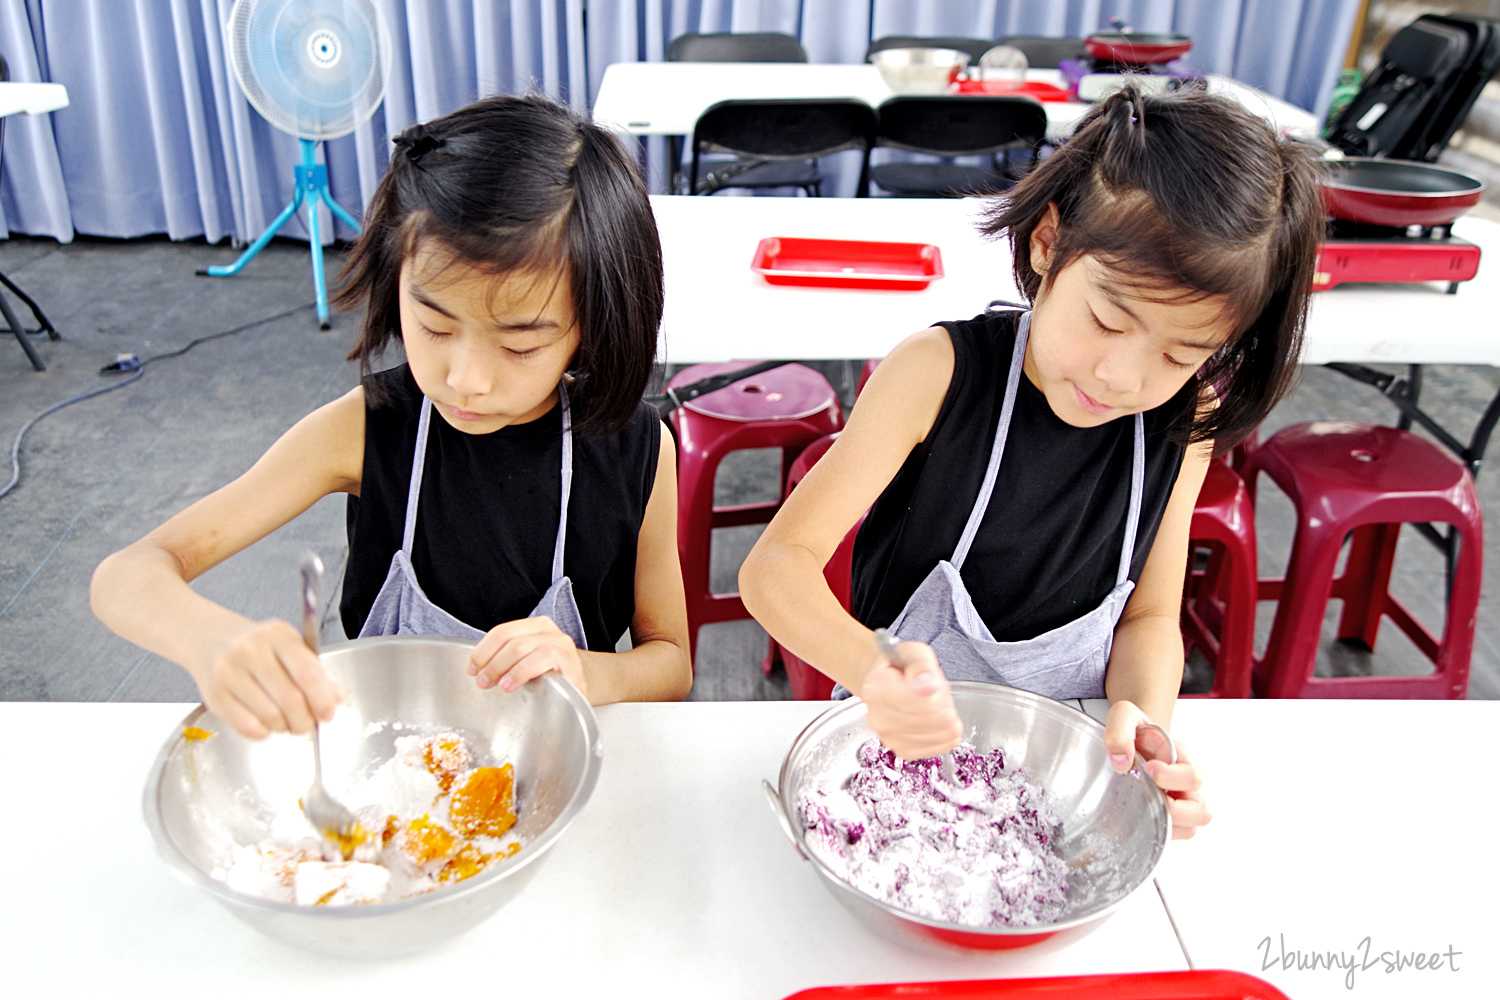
865	371
808	682
787	408
1366	480
1218	600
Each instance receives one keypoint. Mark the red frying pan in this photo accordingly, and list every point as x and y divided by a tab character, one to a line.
1397	192
1131	48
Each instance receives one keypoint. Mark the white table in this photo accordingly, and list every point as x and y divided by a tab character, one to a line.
1336	821
31	98
675	881
666	98
717	309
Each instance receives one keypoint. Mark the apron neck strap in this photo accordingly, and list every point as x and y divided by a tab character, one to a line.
414	488
1137	491
1002	430
419	462
567	483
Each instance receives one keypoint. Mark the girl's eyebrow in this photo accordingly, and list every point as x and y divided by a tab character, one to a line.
421	296
539	323
1118	302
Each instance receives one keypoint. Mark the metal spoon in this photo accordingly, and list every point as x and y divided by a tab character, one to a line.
342	835
887	644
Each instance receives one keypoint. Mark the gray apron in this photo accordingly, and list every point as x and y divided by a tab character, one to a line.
1067	662
401	608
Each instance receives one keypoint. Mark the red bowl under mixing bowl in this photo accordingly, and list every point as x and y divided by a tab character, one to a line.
1397	192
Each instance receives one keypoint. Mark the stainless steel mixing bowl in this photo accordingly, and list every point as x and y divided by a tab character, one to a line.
919	70
205	796
1113	826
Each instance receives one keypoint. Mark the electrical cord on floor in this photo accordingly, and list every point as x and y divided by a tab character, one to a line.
127	363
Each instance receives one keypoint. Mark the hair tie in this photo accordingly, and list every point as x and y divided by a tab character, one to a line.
418	142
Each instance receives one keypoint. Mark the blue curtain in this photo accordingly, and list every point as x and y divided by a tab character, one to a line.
158	138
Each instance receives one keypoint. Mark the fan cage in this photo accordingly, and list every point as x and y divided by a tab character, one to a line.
316	69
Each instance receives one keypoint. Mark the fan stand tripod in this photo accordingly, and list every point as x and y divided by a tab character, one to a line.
312	187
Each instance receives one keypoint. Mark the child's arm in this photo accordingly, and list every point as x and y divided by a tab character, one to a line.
782	582
257	676
657	668
1145	662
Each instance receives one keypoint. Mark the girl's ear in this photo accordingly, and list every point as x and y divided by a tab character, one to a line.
1043	236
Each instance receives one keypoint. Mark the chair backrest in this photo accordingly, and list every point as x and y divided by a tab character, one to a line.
790	129
1044	51
975	47
960	126
767	46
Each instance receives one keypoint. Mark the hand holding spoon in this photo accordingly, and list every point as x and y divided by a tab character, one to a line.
342	835
887	644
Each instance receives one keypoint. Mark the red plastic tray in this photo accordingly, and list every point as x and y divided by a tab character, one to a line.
1204	984
1032	88
791	260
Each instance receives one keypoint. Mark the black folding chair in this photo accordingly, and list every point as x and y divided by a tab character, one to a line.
956	126
1044	51
975	47
777	143
767	46
5	310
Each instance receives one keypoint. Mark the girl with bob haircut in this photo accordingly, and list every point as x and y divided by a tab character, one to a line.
506	483
1030	475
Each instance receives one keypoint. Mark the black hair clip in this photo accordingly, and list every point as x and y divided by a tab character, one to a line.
418	142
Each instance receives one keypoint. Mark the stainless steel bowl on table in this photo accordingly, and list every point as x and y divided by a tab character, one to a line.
920	70
204	796
1113	830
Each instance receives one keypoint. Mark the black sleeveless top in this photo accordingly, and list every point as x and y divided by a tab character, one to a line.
1048	548
487	517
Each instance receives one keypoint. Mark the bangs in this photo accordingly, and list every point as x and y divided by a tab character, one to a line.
1157	259
539	250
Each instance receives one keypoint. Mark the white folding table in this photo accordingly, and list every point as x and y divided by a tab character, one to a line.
666	98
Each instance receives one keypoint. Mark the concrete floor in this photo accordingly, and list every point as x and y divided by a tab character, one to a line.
102	472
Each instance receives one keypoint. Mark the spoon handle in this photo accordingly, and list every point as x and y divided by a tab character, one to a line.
312	586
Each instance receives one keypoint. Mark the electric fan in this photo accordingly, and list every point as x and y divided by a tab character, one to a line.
317	70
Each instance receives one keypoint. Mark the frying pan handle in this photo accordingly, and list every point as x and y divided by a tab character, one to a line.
781	816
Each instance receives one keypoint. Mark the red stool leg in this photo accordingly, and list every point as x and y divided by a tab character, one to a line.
1219	605
1366	581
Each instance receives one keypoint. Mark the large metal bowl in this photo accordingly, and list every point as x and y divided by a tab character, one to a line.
920	71
205	796
1113	826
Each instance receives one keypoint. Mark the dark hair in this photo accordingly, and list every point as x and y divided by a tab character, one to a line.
517	183
1187	191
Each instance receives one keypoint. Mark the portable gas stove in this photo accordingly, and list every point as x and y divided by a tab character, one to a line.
1391	220
1114	58
1360	252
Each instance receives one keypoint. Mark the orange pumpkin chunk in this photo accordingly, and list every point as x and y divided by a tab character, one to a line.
484	806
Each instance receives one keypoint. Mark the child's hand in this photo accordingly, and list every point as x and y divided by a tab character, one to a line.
1180	782
512	653
265	680
911	706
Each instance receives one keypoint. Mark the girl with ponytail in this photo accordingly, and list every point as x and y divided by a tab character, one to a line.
1030	474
